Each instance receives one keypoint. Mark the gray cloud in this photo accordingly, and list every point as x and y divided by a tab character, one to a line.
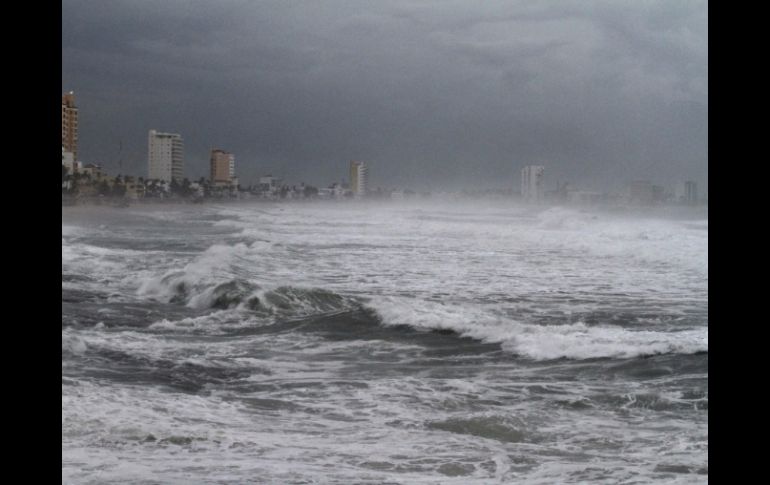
433	94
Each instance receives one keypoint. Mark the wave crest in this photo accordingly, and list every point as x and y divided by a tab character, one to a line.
537	341
241	294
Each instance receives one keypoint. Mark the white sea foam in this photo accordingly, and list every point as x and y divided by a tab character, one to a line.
297	406
539	342
73	343
208	269
517	253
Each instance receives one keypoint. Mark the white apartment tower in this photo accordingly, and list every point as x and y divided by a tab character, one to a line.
358	178
165	156
532	183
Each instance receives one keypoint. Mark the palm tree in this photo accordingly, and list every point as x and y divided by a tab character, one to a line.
174	186
185	189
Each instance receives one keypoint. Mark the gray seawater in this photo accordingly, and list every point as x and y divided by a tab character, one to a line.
393	343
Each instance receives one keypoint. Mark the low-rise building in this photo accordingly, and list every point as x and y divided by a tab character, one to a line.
686	192
68	160
92	171
135	190
269	186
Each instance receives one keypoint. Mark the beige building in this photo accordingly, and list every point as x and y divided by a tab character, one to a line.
222	167
165	156
358	178
69	124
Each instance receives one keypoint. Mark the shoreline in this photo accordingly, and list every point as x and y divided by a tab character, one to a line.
690	212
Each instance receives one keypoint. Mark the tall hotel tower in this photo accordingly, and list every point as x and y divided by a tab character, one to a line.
165	156
358	178
69	124
222	166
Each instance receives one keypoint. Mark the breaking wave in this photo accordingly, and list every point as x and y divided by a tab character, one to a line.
532	341
241	294
537	341
223	278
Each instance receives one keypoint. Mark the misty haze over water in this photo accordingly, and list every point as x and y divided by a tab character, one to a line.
400	342
296	249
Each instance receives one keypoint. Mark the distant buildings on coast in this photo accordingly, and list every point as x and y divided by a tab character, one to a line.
166	179
634	193
222	168
69	132
532	183
69	126
686	192
165	156
358	178
644	192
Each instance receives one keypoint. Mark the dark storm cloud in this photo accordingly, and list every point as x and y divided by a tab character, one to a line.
430	93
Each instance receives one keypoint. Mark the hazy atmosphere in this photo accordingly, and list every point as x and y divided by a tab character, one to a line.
432	95
402	242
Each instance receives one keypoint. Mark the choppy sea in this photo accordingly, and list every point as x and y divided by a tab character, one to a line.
442	343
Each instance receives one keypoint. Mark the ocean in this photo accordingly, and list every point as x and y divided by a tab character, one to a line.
394	343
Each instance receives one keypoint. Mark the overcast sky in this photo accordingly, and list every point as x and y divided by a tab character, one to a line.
432	94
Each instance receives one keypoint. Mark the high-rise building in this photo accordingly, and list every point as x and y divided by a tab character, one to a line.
532	183
222	166
686	192
358	178
69	124
165	156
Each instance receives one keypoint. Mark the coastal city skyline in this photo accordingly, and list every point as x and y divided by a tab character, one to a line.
602	96
165	164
